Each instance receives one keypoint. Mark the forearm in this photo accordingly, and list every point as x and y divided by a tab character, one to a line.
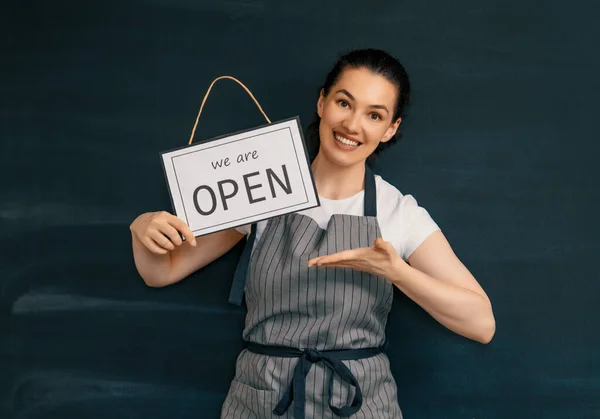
459	309
153	268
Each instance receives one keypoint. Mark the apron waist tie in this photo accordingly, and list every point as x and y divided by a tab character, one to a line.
332	359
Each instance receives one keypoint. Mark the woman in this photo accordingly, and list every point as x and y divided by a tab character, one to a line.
318	283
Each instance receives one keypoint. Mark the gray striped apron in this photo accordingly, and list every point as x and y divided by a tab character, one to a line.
315	336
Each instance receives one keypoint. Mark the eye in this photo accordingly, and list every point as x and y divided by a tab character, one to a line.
375	117
343	103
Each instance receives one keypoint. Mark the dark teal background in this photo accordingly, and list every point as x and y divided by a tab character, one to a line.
500	145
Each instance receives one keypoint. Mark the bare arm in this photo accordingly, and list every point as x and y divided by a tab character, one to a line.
162	258
438	281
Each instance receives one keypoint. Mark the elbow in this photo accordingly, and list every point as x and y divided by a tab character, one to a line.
154	278
154	282
487	331
486	327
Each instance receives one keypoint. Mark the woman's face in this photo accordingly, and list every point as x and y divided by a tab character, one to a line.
356	116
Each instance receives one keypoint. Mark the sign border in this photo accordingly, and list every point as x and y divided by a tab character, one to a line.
208	140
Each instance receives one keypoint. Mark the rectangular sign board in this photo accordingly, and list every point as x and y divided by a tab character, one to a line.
241	178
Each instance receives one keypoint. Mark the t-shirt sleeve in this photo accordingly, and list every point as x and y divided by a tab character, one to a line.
403	222
245	229
417	225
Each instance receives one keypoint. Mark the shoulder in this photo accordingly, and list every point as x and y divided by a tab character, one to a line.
403	221
390	199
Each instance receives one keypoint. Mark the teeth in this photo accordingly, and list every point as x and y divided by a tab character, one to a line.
345	140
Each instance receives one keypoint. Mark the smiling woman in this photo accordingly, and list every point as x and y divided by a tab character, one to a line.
356	117
319	283
386	105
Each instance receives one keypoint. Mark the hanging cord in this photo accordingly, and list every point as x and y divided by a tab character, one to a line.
206	97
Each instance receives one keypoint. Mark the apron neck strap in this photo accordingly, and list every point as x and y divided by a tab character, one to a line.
370	206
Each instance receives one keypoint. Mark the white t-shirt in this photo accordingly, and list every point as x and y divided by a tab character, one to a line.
402	221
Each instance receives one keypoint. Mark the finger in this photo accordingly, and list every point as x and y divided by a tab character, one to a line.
161	240
153	247
314	261
345	255
189	236
385	246
171	233
321	263
343	265
323	259
356	265
182	227
328	260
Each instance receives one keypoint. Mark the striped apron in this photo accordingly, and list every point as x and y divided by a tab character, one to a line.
315	336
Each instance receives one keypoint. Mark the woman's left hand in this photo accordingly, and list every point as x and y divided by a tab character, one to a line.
378	260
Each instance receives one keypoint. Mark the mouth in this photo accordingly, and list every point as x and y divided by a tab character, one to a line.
345	140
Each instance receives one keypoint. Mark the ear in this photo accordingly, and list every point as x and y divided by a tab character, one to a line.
320	104
391	131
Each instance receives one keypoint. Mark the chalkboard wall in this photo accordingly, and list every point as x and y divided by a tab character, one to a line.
500	145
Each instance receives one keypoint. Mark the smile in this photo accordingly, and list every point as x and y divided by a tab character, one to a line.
345	140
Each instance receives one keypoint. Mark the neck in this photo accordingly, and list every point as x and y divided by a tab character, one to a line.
337	182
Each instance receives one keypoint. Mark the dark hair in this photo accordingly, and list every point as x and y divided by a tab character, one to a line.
379	62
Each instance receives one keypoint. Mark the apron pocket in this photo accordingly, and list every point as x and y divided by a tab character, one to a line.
244	400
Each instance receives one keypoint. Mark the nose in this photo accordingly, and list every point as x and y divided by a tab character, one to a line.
351	123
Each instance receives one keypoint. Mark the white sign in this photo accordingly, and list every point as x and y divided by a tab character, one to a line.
241	178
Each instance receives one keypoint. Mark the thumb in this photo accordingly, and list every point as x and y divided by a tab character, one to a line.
382	244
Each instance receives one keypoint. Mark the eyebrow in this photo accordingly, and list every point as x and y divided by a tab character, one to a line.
347	93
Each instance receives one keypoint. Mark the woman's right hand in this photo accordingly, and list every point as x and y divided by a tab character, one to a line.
159	231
